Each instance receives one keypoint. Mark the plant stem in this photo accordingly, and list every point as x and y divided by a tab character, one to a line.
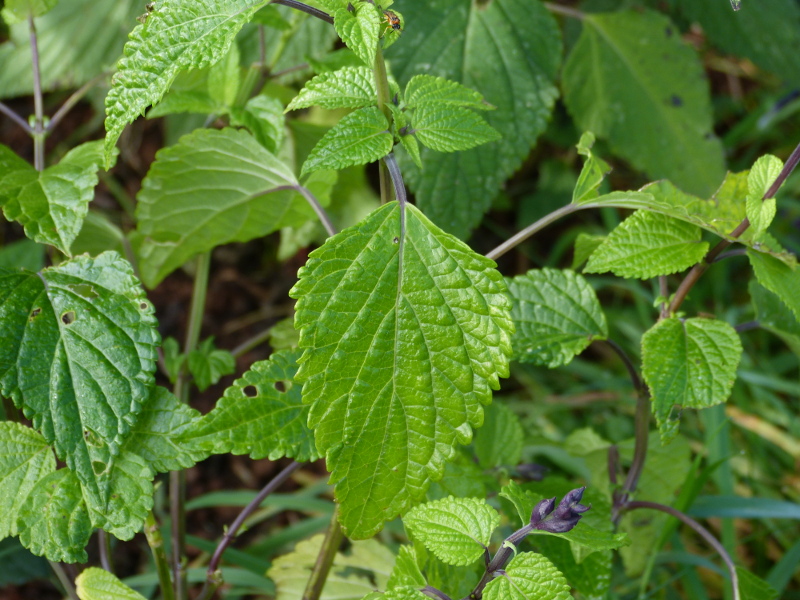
382	85
434	593
38	105
104	542
564	10
327	554
65	581
156	543
323	216
696	271
314	12
701	531
74	98
254	341
400	189
213	574
533	229
15	117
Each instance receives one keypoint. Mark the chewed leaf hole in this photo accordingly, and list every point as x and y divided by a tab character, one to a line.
68	318
35	313
250	391
143	305
99	467
283	386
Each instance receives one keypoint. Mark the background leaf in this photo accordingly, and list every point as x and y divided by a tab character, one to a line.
98	584
779	278
529	576
499	441
208	364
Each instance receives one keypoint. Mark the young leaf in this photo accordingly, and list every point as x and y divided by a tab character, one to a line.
50	205
427	89
98	584
631	72
761	212
359	138
490	48
590	577
173	358
25	458
499	441
585	244
209	364
688	363
244	196
261	414
54	522
409	143
358	24
451	128
456	530
405	330
593	173
752	587
176	36
647	245
263	116
556	315
406	571
529	576
350	87
85	333
778	277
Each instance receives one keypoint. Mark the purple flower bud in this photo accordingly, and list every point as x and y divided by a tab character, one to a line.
541	510
565	516
570	504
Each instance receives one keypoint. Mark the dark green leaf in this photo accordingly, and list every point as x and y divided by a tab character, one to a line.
208	364
779	278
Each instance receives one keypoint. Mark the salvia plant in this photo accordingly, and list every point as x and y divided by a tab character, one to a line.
401	332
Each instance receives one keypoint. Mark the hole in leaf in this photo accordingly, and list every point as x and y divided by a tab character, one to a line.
68	318
282	386
143	305
35	313
396	240
676	100
99	467
250	391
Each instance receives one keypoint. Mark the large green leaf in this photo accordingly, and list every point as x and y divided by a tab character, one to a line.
406	571
212	188
50	205
406	330
779	278
81	333
358	24
507	50
648	244
556	315
451	128
261	414
456	530
632	80
350	87
25	458
427	89
98	584
688	363
529	576
179	35
774	315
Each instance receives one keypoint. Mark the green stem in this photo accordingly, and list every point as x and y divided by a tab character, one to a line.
156	543
533	229
38	104
384	97
74	98
104	543
327	553
65	582
16	118
254	341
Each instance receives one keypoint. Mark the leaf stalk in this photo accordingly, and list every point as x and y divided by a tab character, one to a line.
38	132
156	543
327	554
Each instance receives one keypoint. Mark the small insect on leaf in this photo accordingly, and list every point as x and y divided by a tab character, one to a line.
392	21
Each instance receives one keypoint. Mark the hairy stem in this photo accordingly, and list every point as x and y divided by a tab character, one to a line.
327	554
104	544
213	574
156	543
15	117
700	530
697	271
64	580
530	230
38	104
382	85
314	12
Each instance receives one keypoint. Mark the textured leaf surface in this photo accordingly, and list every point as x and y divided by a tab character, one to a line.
350	87
261	414
359	138
98	584
490	49
406	571
631	73
25	458
405	330
556	315
359	29
779	278
646	245
456	530
54	522
83	334
50	205
688	363
427	89
529	576
208	364
179	35
761	212
773	315
451	128
212	188
752	587
263	116
499	441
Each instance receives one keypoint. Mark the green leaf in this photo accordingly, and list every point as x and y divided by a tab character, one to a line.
261	414
406	570
98	234
208	364
647	245
529	576
774	316
593	173
223	78
630	73
778	277
688	363
488	47
176	36
157	436
403	593
761	211
590	577
556	315
359	138
752	587
410	145
16	11
263	116
359	29
173	358
350	87
185	101
22	254
50	205
456	530
346	580
240	201
585	244
451	128
25	458
54	522
98	584
499	441
427	89
283	335
82	332
405	330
